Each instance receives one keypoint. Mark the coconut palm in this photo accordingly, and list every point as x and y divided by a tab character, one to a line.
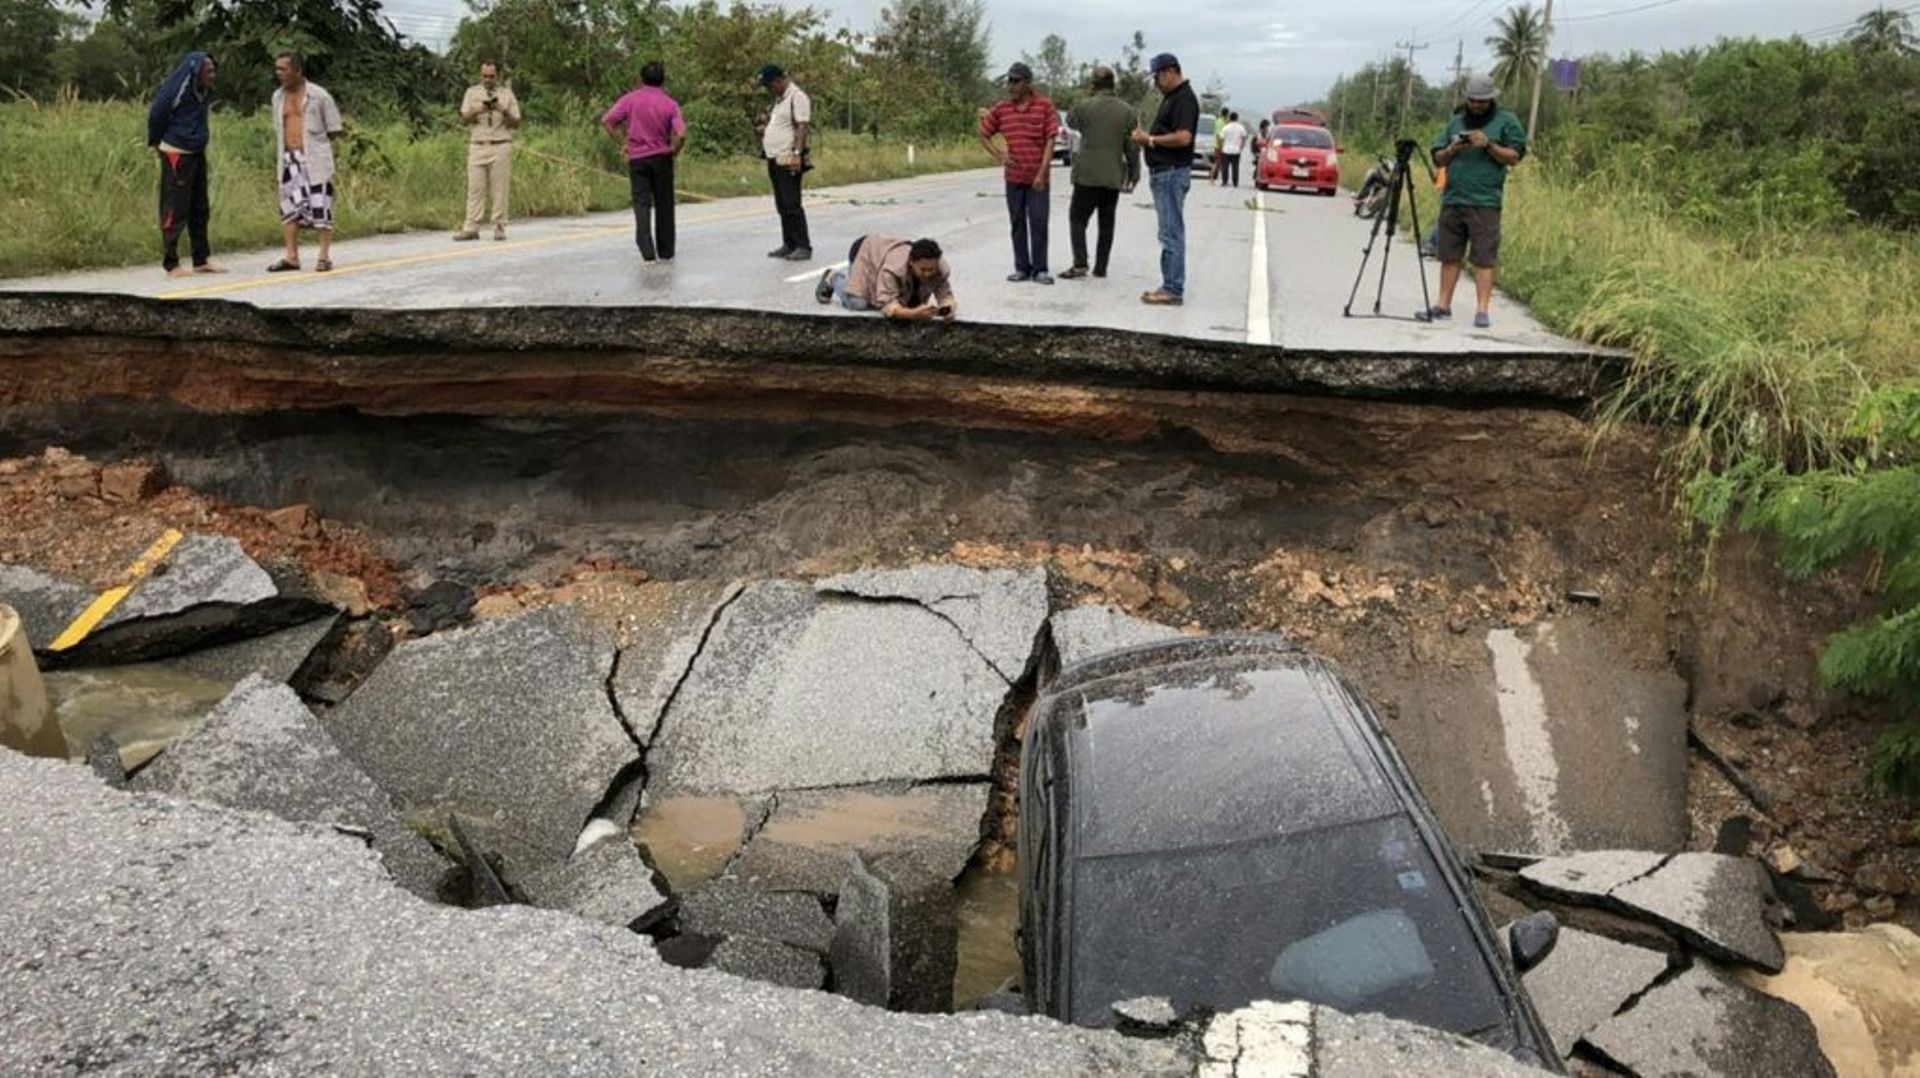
1882	30
1518	49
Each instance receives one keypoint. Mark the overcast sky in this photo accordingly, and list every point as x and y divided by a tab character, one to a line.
1270	53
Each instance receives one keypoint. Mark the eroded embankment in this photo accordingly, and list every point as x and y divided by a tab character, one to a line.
1445	527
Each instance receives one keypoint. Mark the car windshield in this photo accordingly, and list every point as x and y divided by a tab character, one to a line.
1207	123
1355	916
1312	138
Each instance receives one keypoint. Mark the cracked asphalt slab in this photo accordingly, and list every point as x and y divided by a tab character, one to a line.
1263	268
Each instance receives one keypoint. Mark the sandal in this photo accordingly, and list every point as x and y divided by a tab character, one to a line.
1159	298
323	265
284	266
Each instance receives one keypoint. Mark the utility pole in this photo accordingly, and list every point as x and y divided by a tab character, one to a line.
1540	71
1406	96
1373	107
1459	68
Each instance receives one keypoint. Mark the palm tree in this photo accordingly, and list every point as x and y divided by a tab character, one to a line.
1518	49
1881	30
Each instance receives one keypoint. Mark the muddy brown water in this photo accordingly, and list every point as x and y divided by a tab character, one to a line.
143	707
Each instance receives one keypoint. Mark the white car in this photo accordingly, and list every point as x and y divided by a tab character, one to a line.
1203	139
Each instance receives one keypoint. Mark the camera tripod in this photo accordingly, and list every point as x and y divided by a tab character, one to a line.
1401	186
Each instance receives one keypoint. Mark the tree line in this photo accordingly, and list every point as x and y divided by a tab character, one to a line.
1822	131
920	72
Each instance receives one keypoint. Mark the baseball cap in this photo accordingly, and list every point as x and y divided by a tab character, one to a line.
1019	71
1162	62
1480	88
767	74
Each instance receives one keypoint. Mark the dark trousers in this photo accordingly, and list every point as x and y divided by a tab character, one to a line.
651	180
1088	201
1230	170
1027	210
786	199
183	204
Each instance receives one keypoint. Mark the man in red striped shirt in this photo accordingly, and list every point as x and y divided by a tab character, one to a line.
1027	124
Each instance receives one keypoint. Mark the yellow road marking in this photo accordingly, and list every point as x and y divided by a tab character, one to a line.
477	251
104	604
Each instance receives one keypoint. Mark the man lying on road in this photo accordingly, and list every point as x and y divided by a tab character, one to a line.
904	279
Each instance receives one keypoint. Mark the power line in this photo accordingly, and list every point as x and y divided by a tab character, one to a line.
1462	17
1618	11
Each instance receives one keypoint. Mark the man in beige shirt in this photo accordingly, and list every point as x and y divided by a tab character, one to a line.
900	278
491	112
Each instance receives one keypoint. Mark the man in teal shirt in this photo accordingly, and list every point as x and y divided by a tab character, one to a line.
1480	144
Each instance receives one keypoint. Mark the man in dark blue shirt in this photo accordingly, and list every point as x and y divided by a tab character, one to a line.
177	130
1169	147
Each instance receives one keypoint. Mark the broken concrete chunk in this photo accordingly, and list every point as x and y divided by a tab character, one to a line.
606	882
1716	904
796	690
1146	1016
507	723
895	935
1585	980
304	958
1588	878
200	569
276	655
205	591
804	843
661	648
1369	1046
729	908
1266	1037
1704	1023
46	603
262	749
998	611
1086	631
769	961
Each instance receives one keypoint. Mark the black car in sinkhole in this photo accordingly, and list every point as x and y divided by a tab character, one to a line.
1220	820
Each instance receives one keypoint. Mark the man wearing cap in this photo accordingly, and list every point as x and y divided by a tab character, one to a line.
784	141
1480	144
1108	163
1169	147
1028	125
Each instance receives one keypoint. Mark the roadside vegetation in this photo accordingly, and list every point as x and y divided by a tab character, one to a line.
1745	219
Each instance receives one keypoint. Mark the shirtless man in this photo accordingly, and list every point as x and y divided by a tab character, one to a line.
309	124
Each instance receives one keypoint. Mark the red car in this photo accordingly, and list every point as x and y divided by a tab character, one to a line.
1299	156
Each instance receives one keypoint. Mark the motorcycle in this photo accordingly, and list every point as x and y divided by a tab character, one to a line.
1374	188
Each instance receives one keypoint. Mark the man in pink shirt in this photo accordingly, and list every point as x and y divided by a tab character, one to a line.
655	131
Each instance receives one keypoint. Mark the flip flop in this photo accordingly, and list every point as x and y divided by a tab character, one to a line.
284	266
209	267
323	265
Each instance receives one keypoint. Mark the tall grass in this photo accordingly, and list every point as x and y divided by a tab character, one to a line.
78	187
1755	339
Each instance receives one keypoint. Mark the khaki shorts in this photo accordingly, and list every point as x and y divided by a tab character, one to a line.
1476	225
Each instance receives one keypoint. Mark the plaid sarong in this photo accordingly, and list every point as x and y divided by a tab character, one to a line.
308	204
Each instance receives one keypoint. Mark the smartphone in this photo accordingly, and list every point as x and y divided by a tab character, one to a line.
944	311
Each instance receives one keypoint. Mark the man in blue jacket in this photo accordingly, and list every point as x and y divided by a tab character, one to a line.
177	130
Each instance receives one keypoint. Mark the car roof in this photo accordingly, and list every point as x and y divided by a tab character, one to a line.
1210	742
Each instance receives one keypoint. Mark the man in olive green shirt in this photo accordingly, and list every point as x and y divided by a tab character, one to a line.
1107	164
1480	144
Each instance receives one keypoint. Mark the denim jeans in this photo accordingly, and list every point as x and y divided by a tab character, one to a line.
1027	211
852	301
1170	186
